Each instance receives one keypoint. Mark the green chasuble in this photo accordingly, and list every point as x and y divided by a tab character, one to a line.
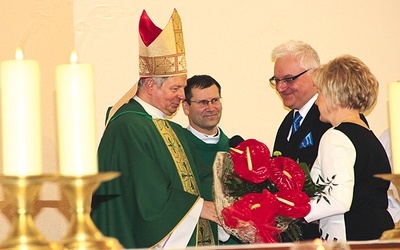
142	206
207	154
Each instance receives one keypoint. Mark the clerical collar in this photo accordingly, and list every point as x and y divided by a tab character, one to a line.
209	139
304	110
151	110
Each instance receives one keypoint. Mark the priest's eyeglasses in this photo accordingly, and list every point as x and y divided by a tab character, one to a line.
204	103
288	80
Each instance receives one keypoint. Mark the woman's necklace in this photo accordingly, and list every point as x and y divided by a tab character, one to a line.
352	119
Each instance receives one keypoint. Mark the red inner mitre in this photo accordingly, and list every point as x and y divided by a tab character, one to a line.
147	29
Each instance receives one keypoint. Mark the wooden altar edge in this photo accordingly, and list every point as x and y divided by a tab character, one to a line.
365	245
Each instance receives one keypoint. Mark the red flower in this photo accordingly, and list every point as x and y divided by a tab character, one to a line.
293	203
254	212
286	174
251	160
257	207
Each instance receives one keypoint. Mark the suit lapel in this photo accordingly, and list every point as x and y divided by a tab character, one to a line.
281	142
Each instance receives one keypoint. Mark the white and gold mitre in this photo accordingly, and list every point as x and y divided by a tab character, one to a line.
161	52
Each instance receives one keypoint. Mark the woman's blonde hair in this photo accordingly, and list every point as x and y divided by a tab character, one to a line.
347	82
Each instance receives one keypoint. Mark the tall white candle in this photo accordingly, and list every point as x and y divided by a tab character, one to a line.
76	120
20	106
394	119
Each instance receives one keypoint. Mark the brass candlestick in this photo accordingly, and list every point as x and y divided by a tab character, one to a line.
23	233
393	233
82	233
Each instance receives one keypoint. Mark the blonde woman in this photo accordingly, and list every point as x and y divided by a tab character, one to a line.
349	155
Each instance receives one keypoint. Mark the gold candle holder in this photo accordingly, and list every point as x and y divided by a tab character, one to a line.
23	233
82	232
393	233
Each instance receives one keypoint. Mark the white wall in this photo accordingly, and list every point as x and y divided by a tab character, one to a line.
228	39
232	41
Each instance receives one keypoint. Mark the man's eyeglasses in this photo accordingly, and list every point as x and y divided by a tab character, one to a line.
204	103
274	81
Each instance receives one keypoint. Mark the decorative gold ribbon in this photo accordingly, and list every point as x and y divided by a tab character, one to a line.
204	233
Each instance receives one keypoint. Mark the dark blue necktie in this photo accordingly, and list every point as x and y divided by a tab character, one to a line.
296	122
308	140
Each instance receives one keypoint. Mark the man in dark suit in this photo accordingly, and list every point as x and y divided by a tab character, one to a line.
294	63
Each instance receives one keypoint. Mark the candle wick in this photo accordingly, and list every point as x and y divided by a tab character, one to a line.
74	57
19	55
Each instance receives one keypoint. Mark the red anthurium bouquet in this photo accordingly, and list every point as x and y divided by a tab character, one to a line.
254	213
258	196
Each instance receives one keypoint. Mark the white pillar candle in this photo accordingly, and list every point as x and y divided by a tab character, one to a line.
394	125
76	120
20	106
